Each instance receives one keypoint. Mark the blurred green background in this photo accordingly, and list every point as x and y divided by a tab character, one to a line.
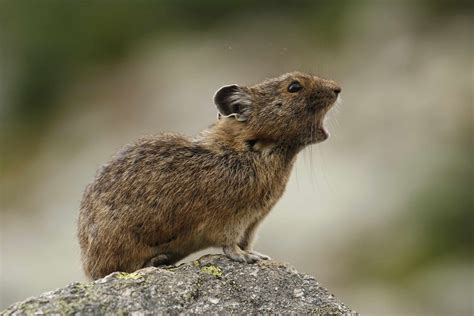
381	213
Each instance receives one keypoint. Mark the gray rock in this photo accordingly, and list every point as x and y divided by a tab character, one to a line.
212	284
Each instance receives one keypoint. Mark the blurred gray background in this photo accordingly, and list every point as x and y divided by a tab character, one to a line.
381	213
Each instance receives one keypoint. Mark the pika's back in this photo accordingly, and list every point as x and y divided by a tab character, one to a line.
156	172
167	186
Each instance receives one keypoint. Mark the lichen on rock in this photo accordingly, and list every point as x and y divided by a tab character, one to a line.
211	284
212	270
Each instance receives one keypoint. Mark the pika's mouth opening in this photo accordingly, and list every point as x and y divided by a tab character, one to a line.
321	130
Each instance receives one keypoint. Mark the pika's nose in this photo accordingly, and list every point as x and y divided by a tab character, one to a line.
332	86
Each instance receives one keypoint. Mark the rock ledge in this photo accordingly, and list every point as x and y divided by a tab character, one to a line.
211	284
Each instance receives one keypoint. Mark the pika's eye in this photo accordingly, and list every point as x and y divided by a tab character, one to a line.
295	86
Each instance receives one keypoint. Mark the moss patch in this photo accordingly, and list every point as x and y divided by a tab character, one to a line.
64	307
212	270
29	305
128	276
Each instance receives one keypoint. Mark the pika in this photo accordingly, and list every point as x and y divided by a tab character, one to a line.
167	196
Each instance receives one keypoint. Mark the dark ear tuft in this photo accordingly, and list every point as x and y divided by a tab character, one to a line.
232	100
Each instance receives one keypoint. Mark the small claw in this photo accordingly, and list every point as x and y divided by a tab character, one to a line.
250	258
237	257
234	253
261	256
237	254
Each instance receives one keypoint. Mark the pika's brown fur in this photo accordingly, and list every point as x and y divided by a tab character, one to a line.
167	196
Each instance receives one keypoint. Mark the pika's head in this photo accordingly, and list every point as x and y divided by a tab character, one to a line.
290	108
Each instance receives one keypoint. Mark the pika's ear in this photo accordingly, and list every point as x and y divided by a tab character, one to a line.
232	100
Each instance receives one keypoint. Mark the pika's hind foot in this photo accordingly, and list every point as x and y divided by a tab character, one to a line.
237	254
158	261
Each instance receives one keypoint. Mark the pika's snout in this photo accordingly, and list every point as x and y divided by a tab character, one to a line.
324	94
332	86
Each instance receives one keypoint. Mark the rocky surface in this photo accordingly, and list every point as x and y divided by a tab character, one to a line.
212	284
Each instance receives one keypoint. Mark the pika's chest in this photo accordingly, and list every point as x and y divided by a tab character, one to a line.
266	185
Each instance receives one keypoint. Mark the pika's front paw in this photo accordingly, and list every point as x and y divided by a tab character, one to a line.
237	254
236	257
259	255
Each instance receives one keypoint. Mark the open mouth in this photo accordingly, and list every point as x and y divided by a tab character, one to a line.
321	130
